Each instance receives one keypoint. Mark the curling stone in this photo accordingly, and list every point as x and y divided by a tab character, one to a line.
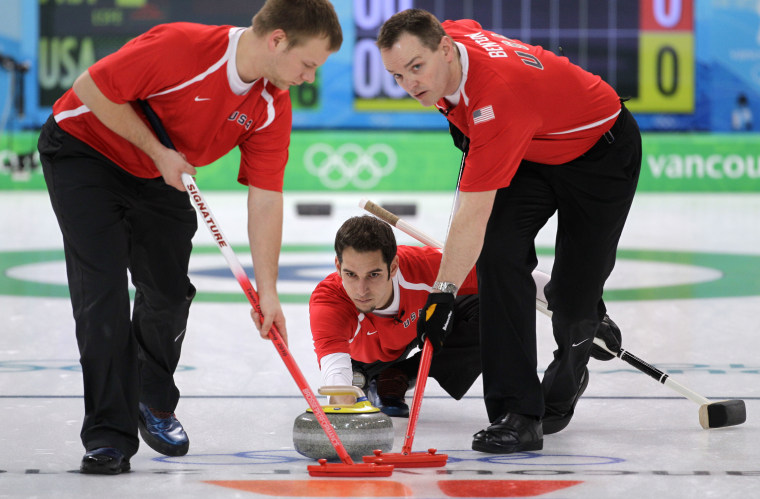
361	427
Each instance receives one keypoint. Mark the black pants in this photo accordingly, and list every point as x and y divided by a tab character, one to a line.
112	222
456	366
591	196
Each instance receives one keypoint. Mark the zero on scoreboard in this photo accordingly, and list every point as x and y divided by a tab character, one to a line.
666	57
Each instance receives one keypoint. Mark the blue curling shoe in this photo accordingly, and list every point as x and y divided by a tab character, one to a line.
163	434
104	461
391	406
394	407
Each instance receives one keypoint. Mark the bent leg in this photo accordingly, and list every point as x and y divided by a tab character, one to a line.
594	193
163	226
457	365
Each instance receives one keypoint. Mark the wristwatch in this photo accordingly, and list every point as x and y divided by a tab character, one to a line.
445	287
359	379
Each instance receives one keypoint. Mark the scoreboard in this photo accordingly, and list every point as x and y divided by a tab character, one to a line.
666	57
643	48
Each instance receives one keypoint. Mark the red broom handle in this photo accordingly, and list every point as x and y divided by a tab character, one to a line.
419	391
253	298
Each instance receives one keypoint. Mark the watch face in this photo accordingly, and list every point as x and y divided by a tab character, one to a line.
445	287
359	379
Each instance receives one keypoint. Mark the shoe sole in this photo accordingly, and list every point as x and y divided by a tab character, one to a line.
395	412
97	469
160	446
556	425
501	449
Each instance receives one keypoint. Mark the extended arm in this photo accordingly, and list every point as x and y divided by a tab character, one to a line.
465	240
460	253
336	370
265	237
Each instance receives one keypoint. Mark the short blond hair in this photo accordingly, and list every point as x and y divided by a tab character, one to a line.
300	20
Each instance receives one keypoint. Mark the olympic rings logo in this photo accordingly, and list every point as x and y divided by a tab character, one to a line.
350	164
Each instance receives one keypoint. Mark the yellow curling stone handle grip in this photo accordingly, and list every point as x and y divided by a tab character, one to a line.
361	406
341	390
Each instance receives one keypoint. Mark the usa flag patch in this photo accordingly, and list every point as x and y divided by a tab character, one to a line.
483	114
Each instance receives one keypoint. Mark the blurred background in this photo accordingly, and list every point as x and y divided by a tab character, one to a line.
691	69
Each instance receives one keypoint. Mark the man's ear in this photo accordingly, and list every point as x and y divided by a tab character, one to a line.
337	264
277	39
394	266
446	45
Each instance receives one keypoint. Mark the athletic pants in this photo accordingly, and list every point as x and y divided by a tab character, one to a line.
591	196
456	365
113	222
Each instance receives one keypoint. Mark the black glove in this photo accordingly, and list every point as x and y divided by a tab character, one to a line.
460	140
610	334
436	320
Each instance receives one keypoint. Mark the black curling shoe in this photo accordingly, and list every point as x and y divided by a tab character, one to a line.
554	420
511	433
104	461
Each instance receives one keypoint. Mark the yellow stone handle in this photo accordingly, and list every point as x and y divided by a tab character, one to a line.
341	390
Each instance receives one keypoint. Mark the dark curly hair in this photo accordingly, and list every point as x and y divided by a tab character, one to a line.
366	233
